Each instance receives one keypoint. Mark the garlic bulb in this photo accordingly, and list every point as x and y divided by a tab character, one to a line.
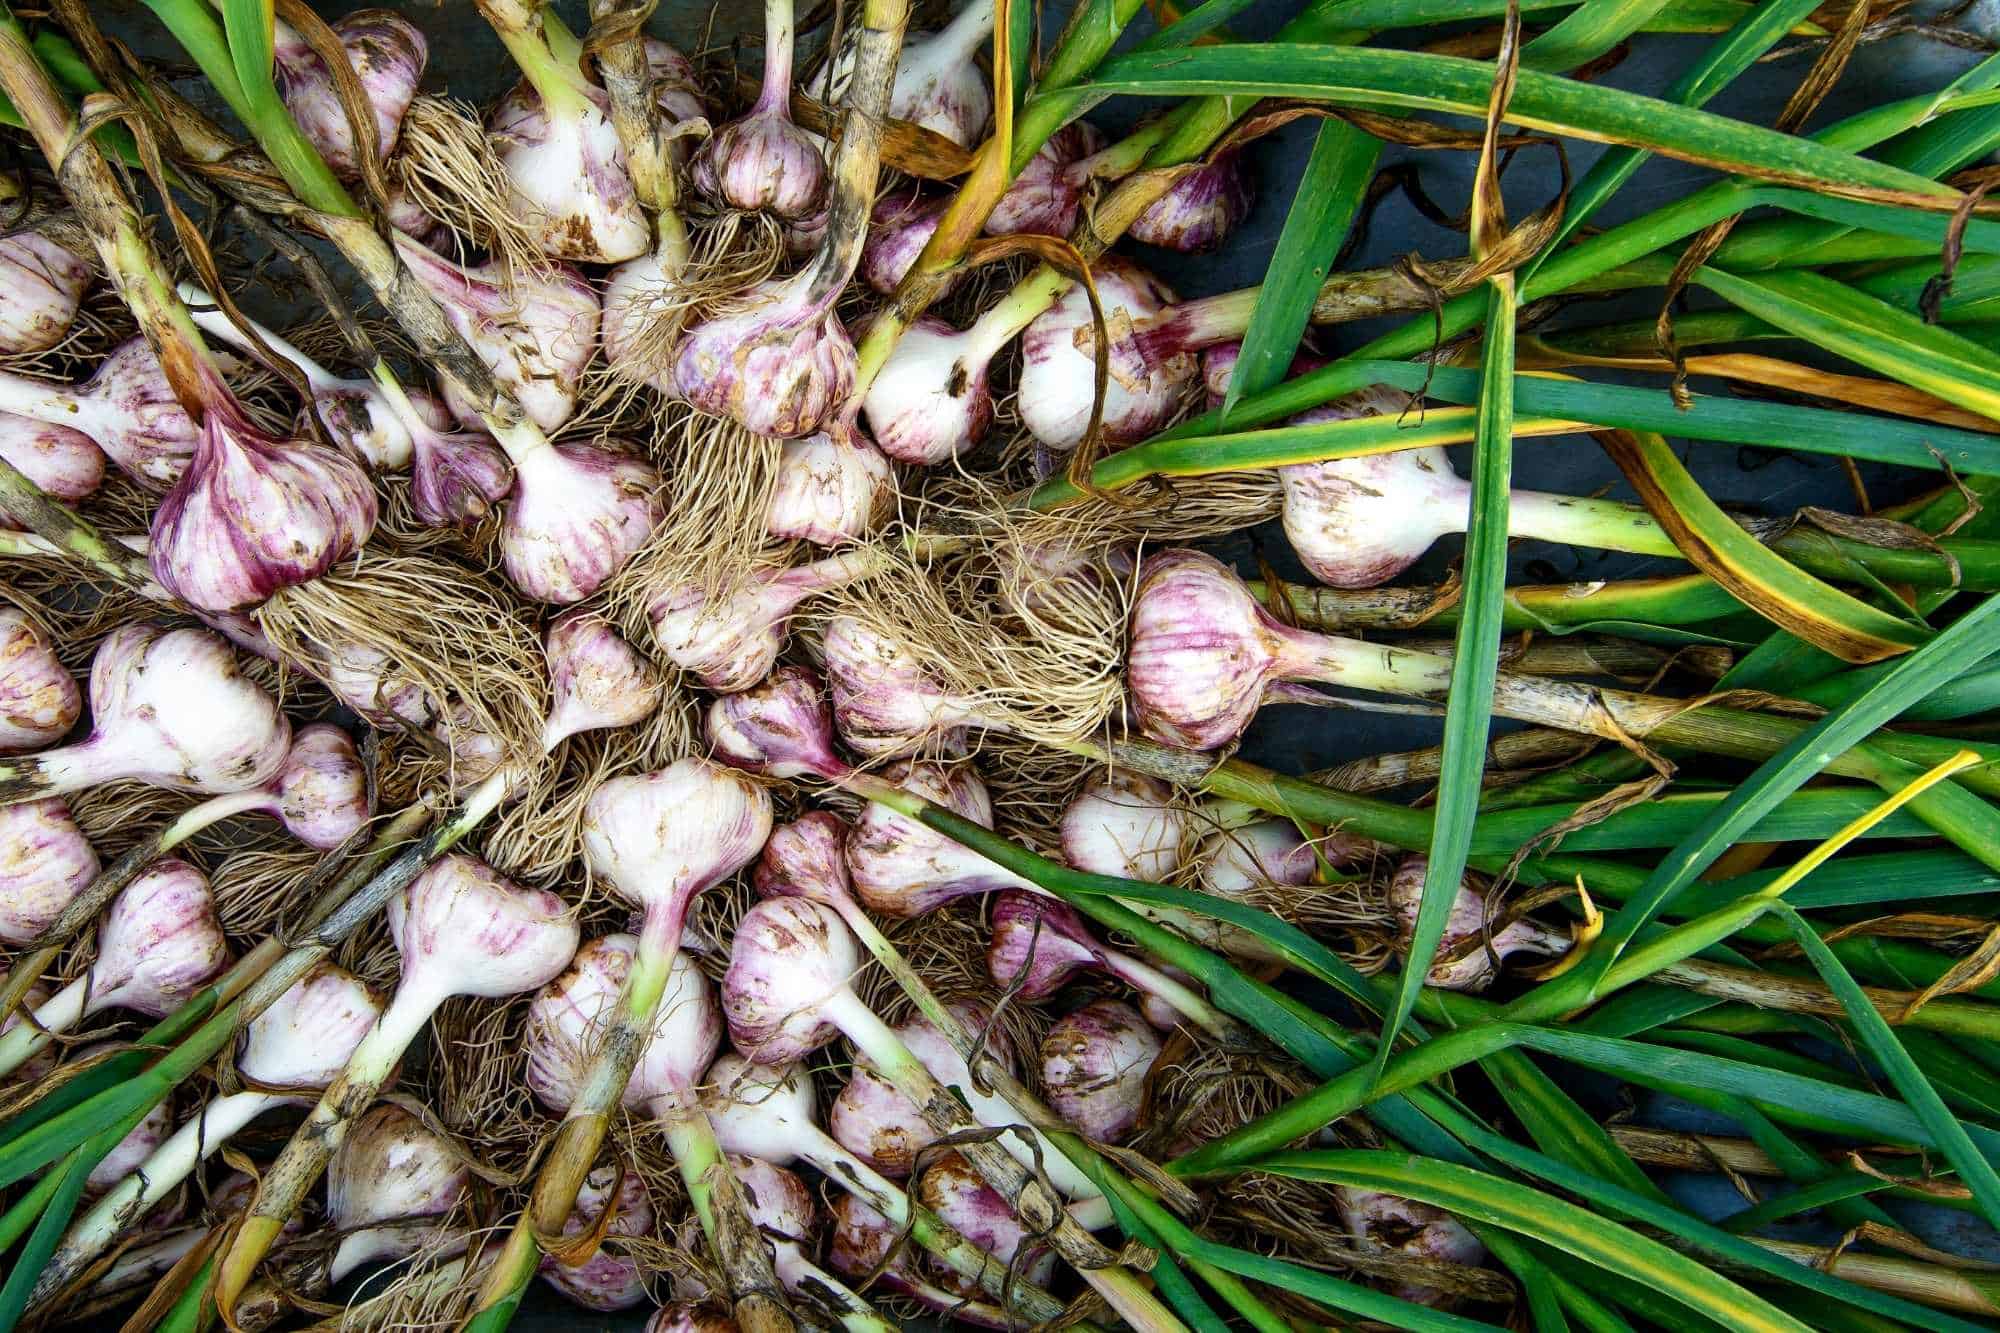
902	868
939	85
1201	208
301	1041
390	1168
66	464
565	170
1125	824
456	476
1058	375
567	1020
1468	921
686	1317
45	861
782	728
388	54
884	702
662	838
536	331
1094	1066
957	1194
39	700
634	294
131	1151
596	679
321	794
878	1124
1388	1224
930	401
170	708
463	928
578	513
605	1281
806	859
43	284
1201	651
790	958
833	486
126	407
777	362
899	227
763	161
253	514
731	642
1048	193
365	680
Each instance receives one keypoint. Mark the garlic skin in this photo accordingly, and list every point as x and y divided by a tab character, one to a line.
902	868
66	464
252	514
939	85
536	331
1201	209
930	401
1268	853
578	513
596	679
1094	1067
1466	922
388	54
1359	522
732	641
44	284
1057	375
567	1018
778	363
883	700
173	709
899	227
789	956
463	928
763	163
39	700
322	791
390	1168
779	1203
1127	825
966	1203
688	1317
634	293
158	943
1388	1224
566	175
1200	651
302	1041
605	1281
1047	194
763	1111
833	487
781	728
878	1124
45	861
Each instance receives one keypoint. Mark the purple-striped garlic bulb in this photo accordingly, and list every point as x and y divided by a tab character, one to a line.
568	1017
731	641
387	53
833	486
1047	195
579	512
65	464
782	728
126	408
43	283
878	1124
45	861
596	679
607	1280
1201	209
1095	1061
391	1168
1470	920
884	700
954	1191
1125	824
899	227
902	868
322	794
777	362
1058	371
763	162
1390	1225
39	700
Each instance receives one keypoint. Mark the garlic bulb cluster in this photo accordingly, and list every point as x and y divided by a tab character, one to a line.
43	284
387	53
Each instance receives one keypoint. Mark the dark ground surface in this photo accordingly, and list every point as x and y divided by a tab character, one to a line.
466	58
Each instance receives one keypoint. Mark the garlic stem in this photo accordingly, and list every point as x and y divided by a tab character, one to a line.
774	98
